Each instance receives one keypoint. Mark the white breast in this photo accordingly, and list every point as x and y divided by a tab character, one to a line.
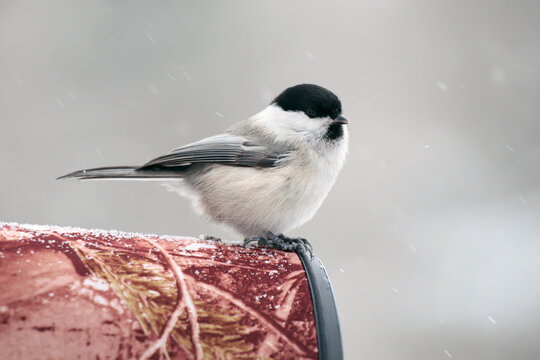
253	201
313	185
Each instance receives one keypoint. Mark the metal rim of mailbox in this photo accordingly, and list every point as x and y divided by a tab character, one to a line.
324	306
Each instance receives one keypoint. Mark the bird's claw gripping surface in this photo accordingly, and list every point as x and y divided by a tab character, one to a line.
282	242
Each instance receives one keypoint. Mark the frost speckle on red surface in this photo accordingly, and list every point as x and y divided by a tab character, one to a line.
249	303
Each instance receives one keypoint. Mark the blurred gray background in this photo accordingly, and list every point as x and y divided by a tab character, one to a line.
430	235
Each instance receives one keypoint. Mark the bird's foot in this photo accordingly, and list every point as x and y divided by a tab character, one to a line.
282	242
307	245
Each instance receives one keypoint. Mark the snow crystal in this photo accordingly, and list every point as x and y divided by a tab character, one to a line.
442	86
96	284
447	353
98	299
151	39
197	246
509	148
185	73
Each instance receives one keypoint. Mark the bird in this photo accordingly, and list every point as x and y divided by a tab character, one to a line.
265	175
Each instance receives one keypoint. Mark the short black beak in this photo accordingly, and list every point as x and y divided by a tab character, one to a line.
340	119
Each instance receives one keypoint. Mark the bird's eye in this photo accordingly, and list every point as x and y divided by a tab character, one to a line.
311	113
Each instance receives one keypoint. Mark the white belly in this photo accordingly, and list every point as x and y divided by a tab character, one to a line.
254	201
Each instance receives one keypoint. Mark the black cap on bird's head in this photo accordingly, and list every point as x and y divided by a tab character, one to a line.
315	101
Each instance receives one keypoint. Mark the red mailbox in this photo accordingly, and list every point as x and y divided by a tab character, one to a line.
74	293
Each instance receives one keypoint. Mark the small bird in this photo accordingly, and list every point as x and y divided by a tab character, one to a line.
263	176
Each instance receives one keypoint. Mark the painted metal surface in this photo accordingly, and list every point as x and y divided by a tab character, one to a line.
75	293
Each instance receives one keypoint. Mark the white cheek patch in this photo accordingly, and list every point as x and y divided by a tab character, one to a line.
302	122
289	124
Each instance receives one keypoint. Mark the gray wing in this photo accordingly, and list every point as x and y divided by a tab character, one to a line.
226	149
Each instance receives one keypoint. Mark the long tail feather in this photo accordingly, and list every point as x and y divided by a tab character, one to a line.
122	172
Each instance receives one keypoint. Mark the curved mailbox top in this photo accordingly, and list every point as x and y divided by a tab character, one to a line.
74	292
